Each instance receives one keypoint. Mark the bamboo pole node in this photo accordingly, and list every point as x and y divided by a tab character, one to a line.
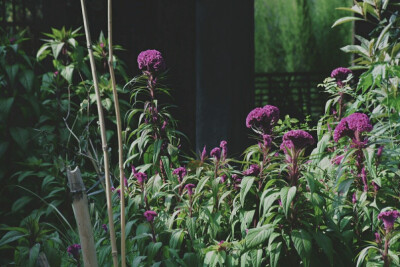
82	216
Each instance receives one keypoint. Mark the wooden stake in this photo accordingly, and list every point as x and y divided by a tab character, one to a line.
82	217
119	133
114	251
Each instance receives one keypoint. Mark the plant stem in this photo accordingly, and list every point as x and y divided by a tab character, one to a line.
114	252
119	133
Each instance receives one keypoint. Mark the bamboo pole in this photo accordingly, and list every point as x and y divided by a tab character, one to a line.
82	217
114	252
119	133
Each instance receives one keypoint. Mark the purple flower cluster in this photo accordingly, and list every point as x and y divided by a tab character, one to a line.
141	177
236	181
224	147
189	188
296	139
73	250
105	228
340	74
203	154
263	119
388	218
151	60
352	126
223	178
216	153
180	172
150	215
253	170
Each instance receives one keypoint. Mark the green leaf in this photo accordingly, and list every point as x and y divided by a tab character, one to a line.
176	239
33	255
268	201
20	136
20	203
344	20
56	48
355	49
26	79
259	235
10	237
325	243
67	73
152	250
5	106
274	253
245	186
302	243
363	253
287	196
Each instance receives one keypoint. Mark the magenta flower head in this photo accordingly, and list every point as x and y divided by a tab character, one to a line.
73	250
180	172
388	218
267	139
224	147
55	74
189	188
379	151
354	199
253	170
223	178
296	139
236	181
150	215
133	170
216	153
141	177
263	119
151	60
340	74
105	228
102	45
203	154
378	238
352	126
338	159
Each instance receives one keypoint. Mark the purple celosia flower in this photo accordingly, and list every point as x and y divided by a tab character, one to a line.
263	119
378	238
55	74
151	60
267	139
379	151
133	170
125	182
223	179
354	199
105	228
338	159
388	218
352	126
340	74
280	202
164	125
236	181
364	179
150	215
112	188
376	186
141	177
180	172
296	139
73	250
253	170
216	153
203	154
224	147
189	188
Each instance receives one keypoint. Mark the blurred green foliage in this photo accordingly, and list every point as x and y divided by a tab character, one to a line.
296	35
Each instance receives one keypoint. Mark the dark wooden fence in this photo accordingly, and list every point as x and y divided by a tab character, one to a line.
295	93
